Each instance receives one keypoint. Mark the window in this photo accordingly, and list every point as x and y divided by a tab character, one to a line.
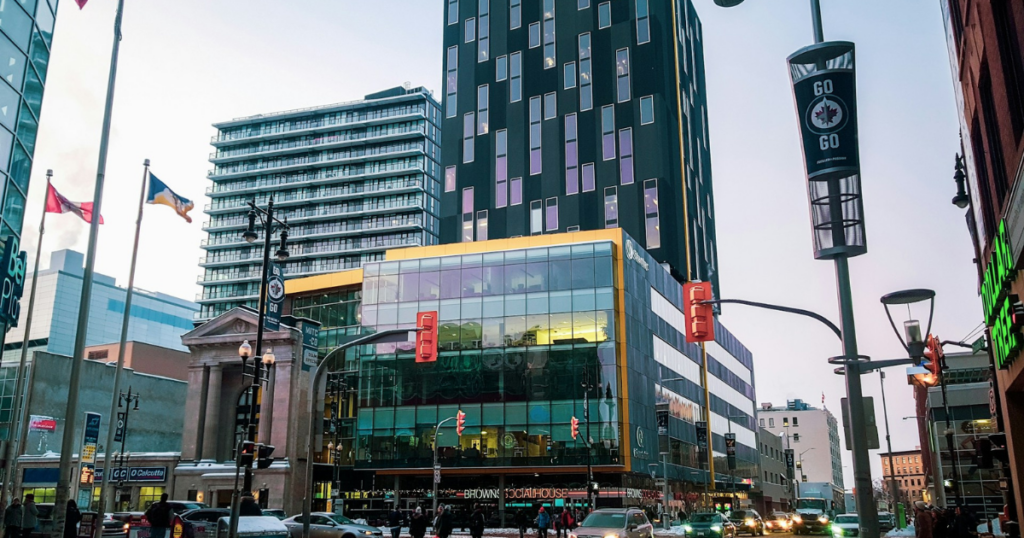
651	214
572	180
451	108
516	196
647	110
467	214
534	35
569	76
551	214
501	68
796	437
761	422
550	106
536	217
622	74
482	109
626	156
643	23
535	119
796	422
483	44
608	132
515	14
453	11
785	422
604	15
449	179
468	127
470	29
582	4
771	423
611	207
481	225
515	93
549	34
588	177
586	91
147	495
501	168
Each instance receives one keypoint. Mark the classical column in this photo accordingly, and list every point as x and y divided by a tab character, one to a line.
211	448
267	406
201	415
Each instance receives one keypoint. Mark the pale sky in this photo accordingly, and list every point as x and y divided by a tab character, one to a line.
189	63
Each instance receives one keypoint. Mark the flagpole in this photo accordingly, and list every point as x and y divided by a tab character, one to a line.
71	412
115	397
17	441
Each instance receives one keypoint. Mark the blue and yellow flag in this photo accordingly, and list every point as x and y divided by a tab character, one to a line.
159	193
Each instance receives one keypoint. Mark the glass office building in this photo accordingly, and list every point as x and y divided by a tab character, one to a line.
533	332
352	179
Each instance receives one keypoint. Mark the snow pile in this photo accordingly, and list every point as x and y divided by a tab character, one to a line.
908	532
676	530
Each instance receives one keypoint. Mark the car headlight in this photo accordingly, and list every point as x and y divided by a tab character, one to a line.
838	531
797	519
716	528
573	535
686	528
368	533
823	519
611	536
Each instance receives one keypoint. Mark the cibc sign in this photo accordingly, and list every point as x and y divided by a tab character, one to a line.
998	303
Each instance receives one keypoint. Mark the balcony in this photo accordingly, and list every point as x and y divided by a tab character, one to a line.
319	143
312	160
342	192
207	297
344	228
310	179
317	125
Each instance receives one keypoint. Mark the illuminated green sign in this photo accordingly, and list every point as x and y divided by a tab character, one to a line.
996	300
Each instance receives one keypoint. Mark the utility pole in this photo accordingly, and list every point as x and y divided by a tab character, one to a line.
893	486
586	419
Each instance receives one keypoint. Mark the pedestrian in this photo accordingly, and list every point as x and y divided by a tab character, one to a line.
568	522
13	519
418	524
923	521
443	528
964	523
247	507
556	524
71	520
159	517
30	516
521	522
543	523
476	522
395	522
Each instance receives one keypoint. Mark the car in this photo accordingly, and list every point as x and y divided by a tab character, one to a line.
886	521
710	525
202	522
778	522
615	523
275	512
180	507
330	525
748	521
846	525
114	528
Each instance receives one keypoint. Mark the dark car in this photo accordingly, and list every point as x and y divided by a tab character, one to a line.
275	512
710	525
747	522
180	507
114	528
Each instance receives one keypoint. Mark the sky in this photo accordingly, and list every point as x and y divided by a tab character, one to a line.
189	63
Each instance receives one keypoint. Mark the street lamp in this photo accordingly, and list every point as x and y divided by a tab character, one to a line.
912	338
800	465
961	200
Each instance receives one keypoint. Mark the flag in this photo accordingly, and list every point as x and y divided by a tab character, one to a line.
159	193
822	398
57	203
81	3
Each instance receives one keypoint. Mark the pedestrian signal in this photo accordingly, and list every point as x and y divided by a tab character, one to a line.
264	456
248	453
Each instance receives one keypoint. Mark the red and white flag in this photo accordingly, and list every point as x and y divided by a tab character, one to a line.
81	3
57	203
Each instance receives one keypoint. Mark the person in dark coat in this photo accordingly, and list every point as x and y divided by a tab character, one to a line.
395	522
924	522
249	507
521	522
964	524
418	524
12	519
444	523
476	522
159	517
71	520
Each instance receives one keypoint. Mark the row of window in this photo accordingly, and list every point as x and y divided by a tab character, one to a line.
334	118
785	422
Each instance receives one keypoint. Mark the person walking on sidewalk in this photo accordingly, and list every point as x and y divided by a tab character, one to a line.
30	516
418	524
476	522
71	520
395	522
159	517
543	523
521	522
13	519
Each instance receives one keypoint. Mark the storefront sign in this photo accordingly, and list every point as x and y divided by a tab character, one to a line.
640	450
998	303
42	424
538	493
632	254
135	474
90	437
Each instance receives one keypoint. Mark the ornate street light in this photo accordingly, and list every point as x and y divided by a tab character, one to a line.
912	338
961	200
268	357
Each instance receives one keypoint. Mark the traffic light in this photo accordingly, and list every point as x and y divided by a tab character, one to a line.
460	422
998	448
263	456
575	428
248	452
1016	313
426	339
700	318
933	352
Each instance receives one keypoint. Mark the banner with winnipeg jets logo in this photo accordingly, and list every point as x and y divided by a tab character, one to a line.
825	89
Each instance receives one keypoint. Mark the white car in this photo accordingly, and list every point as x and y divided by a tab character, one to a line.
846	525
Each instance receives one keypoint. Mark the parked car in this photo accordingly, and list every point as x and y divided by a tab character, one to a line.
330	525
202	523
778	522
710	525
114	528
846	525
275	512
621	522
747	521
180	507
886	521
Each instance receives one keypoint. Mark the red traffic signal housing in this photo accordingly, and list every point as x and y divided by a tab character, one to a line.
426	338
248	453
460	422
933	352
575	428
700	318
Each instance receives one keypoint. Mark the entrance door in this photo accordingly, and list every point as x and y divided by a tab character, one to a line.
223	499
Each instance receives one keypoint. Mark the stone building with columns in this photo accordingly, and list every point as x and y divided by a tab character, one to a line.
217	406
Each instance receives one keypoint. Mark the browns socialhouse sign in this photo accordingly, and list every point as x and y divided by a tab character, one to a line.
998	303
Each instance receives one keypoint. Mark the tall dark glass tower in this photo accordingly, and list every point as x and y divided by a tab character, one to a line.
578	115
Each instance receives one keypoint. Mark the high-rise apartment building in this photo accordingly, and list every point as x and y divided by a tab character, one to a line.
26	34
351	179
589	116
813	434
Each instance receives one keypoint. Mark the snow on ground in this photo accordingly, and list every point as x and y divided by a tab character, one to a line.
908	532
676	530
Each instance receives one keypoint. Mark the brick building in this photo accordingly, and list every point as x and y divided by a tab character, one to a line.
909	469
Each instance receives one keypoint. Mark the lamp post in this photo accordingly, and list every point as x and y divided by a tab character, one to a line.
800	465
126	401
893	486
270	225
437	465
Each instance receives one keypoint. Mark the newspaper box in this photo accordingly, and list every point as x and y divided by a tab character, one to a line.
87	527
254	527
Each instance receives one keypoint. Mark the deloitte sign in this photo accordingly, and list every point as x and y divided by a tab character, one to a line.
999	303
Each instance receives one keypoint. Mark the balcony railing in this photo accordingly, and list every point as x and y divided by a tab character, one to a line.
304	196
325	121
304	160
313	142
301	179
347	226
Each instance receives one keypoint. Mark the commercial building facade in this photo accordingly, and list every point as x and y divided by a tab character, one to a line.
352	179
910	474
775	491
531	331
585	117
813	435
986	49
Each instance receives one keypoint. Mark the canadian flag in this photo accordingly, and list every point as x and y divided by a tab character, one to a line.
57	203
